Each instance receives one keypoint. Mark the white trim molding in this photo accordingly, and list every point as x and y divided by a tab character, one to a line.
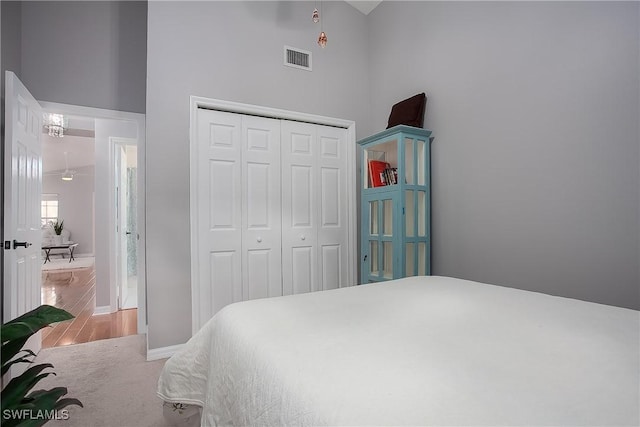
163	352
105	309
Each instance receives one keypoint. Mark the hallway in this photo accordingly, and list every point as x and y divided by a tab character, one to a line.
74	291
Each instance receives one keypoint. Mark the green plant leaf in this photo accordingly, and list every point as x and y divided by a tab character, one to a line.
15	334
32	321
44	399
21	359
68	401
11	349
18	387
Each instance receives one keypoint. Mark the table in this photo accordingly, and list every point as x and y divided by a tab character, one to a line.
70	246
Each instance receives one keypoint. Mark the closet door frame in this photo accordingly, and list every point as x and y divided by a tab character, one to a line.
196	103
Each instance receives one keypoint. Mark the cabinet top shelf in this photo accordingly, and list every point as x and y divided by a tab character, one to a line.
408	130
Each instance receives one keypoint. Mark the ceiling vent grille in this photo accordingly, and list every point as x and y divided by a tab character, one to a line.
297	58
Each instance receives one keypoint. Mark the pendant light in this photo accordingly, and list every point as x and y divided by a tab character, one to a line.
322	38
55	124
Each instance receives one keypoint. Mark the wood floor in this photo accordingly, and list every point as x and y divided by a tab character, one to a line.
75	291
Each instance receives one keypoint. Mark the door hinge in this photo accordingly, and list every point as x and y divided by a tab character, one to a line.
7	244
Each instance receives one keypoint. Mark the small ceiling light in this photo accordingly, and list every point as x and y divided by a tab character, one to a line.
322	39
316	16
68	174
56	124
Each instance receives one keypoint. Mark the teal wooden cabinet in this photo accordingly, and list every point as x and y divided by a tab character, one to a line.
396	204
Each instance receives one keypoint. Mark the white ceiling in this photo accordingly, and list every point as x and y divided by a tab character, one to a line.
364	6
78	142
80	152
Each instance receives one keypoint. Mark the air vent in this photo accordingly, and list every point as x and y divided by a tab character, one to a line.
297	58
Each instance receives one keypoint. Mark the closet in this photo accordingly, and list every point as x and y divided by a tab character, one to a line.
272	214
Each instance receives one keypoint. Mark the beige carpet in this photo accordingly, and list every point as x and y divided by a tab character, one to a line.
112	379
58	263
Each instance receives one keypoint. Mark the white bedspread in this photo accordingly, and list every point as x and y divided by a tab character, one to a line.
416	351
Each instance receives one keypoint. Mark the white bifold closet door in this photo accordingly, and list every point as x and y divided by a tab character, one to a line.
314	221
261	250
272	208
239	203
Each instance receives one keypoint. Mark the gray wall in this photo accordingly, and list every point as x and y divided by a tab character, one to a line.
86	53
75	201
534	108
11	30
231	51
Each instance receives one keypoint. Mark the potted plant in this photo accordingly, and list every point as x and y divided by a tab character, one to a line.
39	406
58	226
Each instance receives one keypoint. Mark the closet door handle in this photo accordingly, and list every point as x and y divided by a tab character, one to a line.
303	237
259	239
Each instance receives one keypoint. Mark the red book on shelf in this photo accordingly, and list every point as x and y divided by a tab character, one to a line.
376	172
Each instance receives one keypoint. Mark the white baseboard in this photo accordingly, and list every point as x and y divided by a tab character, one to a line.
105	309
87	255
163	352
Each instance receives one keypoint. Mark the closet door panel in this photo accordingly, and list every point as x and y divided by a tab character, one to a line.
332	203
331	266
301	179
223	201
299	208
259	283
301	269
225	277
219	222
261	208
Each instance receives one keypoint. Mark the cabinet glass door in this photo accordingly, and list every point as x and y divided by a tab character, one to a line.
415	231
379	257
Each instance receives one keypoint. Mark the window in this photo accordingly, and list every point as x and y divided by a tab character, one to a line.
49	209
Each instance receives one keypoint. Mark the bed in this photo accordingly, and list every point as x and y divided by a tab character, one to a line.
414	351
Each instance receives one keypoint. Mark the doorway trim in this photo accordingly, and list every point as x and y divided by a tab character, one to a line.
140	123
116	143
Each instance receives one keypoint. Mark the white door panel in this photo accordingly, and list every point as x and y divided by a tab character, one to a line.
22	199
224	285
333	225
261	252
301	271
219	208
299	208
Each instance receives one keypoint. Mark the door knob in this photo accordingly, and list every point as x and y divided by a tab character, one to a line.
17	244
259	239
303	237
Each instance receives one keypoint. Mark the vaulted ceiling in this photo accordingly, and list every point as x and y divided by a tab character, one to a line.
364	6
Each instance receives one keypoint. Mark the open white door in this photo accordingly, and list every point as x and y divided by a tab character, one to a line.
22	192
126	223
121	224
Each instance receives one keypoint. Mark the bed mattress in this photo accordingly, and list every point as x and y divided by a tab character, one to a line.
415	351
